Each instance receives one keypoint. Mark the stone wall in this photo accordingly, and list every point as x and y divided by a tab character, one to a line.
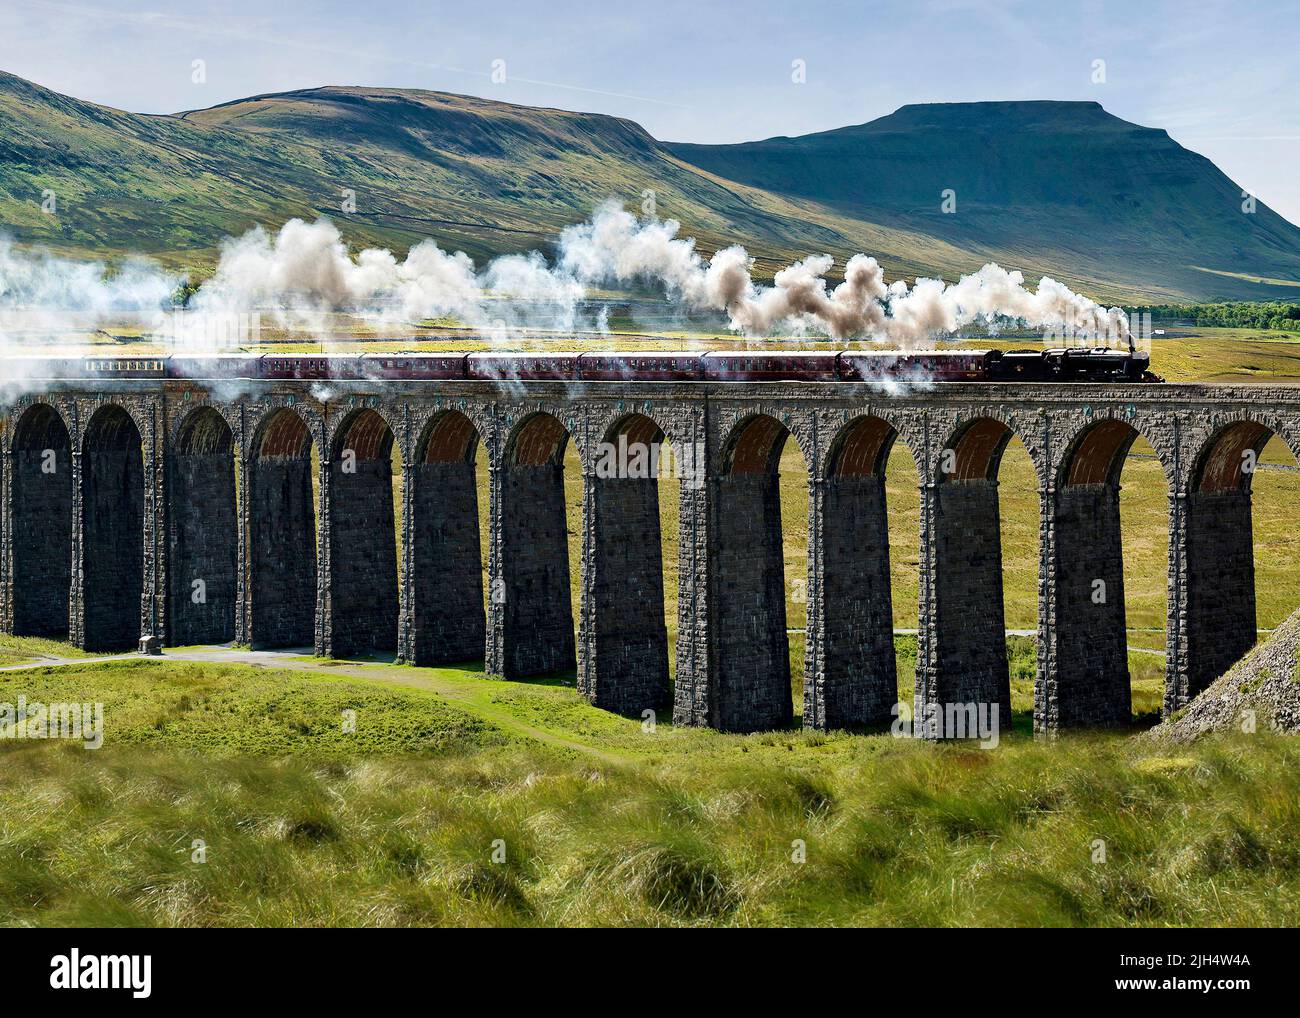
203	546
447	585
752	656
628	670
1091	685
693	693
968	617
538	615
282	552
363	557
113	547
1220	584
860	680
42	539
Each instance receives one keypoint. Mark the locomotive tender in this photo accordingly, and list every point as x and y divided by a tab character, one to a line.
1073	364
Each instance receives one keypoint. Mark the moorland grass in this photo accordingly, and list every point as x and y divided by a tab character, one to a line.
620	826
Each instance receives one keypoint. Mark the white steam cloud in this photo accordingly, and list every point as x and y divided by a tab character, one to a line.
41	293
305	271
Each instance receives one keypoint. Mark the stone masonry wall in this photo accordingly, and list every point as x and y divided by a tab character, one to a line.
283	552
1092	678
42	542
860	676
113	547
363	557
1220	584
448	583
629	672
752	646
970	634
203	546
538	633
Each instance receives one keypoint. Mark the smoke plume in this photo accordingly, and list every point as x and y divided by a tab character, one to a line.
305	271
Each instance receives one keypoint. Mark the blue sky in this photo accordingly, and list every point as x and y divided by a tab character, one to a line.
1222	78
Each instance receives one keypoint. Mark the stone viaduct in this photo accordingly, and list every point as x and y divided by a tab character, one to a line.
122	499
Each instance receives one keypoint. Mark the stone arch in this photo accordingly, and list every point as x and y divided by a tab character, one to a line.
41	527
366	430
634	426
112	543
1087	682
183	420
1101	444
1095	455
753	446
1220	607
282	431
538	439
535	592
447	572
363	591
861	447
282	531
203	536
624	635
1225	462
974	451
977	441
752	646
450	436
855	682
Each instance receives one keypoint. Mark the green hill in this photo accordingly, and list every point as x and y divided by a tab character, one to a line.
484	177
1061	185
489	178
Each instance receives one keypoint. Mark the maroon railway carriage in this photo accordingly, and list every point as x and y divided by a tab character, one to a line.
120	367
311	366
611	366
922	365
741	365
417	366
233	365
51	367
522	367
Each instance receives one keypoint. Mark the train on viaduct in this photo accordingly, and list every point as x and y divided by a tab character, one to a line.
122	490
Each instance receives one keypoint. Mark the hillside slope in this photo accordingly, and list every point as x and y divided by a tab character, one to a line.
489	178
1060	181
479	176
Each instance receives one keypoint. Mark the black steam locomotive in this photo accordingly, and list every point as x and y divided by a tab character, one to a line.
1074	364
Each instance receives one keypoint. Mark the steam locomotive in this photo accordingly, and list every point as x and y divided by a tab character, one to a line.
1074	364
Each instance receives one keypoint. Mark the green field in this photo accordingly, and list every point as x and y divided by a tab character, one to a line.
597	821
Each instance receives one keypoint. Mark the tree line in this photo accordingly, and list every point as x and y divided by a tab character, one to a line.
1271	314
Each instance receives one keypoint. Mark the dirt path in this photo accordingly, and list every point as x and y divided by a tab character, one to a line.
44	661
